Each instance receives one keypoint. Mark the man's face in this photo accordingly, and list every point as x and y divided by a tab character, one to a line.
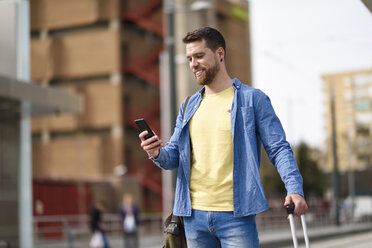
202	61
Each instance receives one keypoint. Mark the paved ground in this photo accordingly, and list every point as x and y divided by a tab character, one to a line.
317	235
362	240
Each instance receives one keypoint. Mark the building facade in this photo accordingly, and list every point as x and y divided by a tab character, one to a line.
351	95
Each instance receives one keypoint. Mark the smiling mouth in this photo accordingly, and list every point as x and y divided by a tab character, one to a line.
198	73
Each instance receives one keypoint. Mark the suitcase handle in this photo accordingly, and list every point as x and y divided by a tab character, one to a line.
290	210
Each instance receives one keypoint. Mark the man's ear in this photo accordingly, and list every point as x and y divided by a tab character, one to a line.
221	53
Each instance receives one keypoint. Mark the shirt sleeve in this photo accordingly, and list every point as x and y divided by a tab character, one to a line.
273	138
168	157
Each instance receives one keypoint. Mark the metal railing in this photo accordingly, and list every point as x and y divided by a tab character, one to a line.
73	227
77	226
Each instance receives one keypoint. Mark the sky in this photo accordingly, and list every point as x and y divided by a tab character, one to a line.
294	43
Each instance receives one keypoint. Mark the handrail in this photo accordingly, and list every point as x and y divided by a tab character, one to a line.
75	226
65	226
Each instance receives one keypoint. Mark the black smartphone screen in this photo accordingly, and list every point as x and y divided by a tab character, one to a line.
143	126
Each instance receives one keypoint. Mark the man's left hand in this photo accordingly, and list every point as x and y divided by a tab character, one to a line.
299	202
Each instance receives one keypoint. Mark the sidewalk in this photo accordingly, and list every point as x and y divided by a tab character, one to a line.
279	238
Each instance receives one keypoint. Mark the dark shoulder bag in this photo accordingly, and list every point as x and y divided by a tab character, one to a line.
174	228
175	232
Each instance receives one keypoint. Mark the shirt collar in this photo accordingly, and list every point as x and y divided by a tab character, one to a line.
236	84
201	91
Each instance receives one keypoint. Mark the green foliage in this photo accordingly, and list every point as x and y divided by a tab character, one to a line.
272	183
314	178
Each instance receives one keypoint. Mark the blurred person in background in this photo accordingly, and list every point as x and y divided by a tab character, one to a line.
130	218
96	226
216	147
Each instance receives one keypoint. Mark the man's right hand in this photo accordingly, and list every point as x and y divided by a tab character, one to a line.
152	145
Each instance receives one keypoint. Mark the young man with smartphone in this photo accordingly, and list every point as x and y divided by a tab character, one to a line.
216	148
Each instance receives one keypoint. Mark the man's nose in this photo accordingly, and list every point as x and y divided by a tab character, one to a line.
193	63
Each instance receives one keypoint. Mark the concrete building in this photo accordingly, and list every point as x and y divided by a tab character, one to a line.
19	100
352	94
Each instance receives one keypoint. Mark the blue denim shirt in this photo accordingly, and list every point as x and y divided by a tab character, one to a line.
253	122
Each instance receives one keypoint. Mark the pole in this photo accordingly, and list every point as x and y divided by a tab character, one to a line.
22	9
169	104
350	175
170	42
335	158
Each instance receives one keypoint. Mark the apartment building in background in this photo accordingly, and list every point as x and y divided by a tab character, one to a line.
352	100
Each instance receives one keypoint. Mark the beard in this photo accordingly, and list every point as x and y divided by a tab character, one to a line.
210	74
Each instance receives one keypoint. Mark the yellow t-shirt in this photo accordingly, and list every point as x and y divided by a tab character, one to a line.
211	185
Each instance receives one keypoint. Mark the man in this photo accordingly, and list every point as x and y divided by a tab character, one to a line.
216	148
96	226
129	213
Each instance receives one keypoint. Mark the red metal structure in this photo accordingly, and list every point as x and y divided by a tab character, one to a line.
145	14
144	18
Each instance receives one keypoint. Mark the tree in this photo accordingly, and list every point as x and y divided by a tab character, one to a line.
313	177
271	181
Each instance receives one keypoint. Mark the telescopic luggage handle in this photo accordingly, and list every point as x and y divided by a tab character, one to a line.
290	210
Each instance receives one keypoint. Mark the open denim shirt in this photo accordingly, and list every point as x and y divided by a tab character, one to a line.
253	122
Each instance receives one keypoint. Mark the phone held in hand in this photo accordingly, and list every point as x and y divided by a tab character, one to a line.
143	126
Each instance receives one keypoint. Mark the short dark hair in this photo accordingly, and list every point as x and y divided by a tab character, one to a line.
213	38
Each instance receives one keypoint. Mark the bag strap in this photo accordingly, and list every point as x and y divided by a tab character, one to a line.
174	225
185	105
175	218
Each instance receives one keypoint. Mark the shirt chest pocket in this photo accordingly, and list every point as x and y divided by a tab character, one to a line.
247	114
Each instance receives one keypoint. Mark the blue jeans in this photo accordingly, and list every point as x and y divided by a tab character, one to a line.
105	242
206	229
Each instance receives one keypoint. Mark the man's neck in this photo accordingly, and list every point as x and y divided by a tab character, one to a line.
221	82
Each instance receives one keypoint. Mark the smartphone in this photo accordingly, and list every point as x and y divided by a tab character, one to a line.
143	126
